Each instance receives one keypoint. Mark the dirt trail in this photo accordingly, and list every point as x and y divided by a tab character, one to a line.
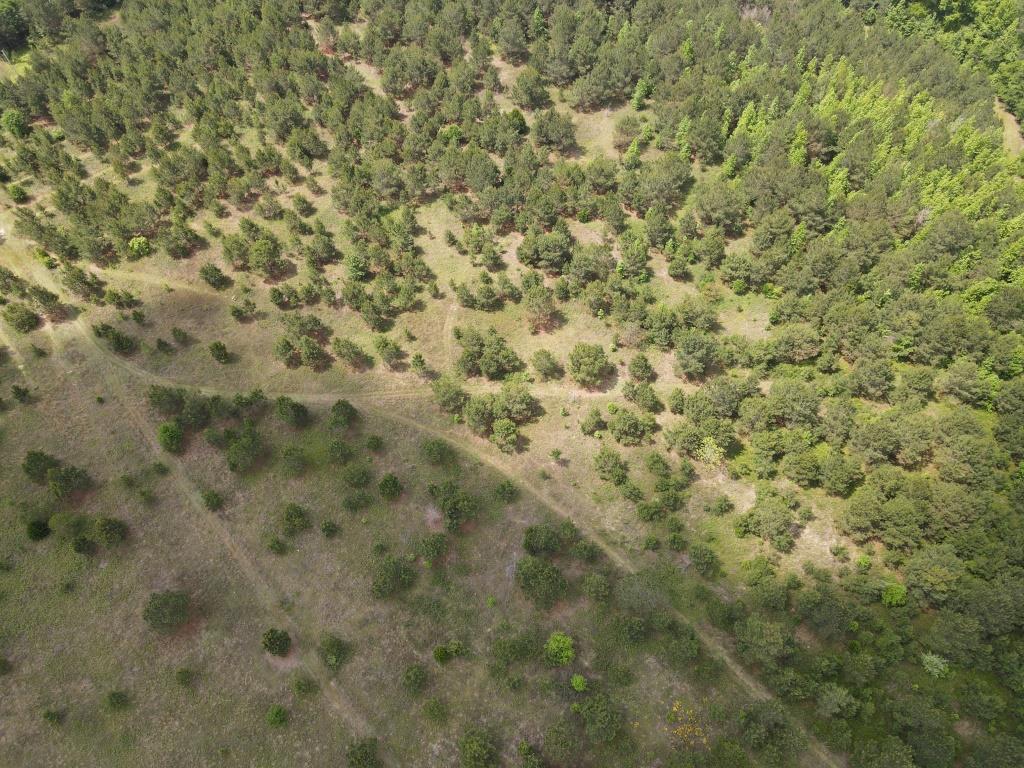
1013	141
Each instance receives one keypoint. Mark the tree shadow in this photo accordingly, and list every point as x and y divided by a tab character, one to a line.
286	271
607	382
556	320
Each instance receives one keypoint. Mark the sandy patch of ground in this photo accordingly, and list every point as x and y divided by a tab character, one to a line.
1013	140
435	522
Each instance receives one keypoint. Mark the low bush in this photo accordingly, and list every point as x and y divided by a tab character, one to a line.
414	679
277	642
277	716
334	652
166	611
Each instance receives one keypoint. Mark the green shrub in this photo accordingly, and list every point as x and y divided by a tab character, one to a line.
37	530
593	422
391	575
277	642
118	700
20	317
477	750
277	545
171	437
543	539
543	584
559	649
212	500
894	594
166	611
505	435
277	716
139	247
334	652
356	475
453	649
435	710
305	686
214	277
119	341
611	466
340	452
291	412
389	488
294	520
219	352
629	428
506	491
53	716
343	415
640	368
111	531
704	559
455	504
588	364
363	754
719	506
414	679
546	365
17	193
602	720
434	547
83	545
13	119
765	728
438	452
587	551
37	465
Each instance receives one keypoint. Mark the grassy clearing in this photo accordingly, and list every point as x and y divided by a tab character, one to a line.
14	65
595	131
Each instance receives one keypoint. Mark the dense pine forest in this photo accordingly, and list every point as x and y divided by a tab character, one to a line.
436	383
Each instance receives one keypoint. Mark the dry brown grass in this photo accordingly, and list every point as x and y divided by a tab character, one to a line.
1013	140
